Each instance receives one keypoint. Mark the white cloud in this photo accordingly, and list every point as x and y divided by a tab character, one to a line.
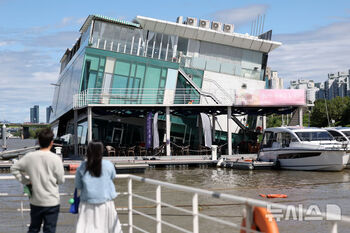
312	54
25	79
239	16
28	67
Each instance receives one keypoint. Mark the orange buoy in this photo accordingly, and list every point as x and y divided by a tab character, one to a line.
73	166
263	221
274	195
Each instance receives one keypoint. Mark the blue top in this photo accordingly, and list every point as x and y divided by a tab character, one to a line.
95	190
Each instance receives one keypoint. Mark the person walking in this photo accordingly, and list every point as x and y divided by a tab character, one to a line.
43	171
94	178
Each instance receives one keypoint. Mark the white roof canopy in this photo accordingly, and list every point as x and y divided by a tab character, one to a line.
206	34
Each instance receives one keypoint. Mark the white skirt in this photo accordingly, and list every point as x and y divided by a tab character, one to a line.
98	218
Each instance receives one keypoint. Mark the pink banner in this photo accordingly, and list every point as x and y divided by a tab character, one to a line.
268	97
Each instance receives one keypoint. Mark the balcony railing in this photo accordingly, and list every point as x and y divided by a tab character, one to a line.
135	96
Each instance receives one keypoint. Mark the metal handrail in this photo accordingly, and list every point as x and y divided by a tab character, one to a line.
248	202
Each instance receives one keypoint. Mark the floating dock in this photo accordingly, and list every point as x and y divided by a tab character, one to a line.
246	164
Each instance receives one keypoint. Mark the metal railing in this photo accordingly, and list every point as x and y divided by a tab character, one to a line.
248	204
135	96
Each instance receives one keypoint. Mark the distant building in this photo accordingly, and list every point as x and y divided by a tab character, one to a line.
48	113
307	85
272	80
321	92
34	114
337	84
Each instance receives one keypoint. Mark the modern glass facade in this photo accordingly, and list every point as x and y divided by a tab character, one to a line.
190	53
116	64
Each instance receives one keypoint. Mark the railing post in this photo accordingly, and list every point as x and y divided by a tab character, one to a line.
159	209
22	215
334	228
195	212
130	205
248	216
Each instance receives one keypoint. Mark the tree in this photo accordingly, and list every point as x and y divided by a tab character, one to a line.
318	114
337	107
274	121
346	116
338	110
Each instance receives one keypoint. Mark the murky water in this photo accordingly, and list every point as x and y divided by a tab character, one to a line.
306	188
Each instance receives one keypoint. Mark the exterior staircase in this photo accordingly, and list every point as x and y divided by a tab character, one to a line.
294	121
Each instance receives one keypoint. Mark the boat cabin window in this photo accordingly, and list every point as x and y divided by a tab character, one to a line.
284	139
347	133
314	136
268	139
337	136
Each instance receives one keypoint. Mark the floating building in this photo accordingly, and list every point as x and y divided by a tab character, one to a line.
174	87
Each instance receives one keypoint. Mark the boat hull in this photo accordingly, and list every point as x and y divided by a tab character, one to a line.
313	160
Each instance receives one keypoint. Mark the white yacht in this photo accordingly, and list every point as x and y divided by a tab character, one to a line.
341	134
299	148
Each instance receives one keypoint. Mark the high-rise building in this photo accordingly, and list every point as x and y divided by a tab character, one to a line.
307	85
48	114
337	84
272	79
34	114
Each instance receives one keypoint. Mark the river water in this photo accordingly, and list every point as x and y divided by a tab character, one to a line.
305	188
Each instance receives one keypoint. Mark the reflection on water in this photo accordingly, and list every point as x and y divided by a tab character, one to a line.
304	188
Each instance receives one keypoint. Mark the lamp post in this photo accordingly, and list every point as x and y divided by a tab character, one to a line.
4	134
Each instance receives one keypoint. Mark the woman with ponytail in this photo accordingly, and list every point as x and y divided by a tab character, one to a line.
94	178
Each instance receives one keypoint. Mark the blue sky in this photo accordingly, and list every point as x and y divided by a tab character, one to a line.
34	35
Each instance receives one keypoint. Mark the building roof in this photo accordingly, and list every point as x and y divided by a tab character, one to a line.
89	19
205	34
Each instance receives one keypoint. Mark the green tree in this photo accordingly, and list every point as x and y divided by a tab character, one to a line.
346	116
318	114
337	107
274	121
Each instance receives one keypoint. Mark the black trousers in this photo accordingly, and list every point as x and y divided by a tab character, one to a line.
48	215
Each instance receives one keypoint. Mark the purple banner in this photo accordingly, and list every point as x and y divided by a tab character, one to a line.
149	130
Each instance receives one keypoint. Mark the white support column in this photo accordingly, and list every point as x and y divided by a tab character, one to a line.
154	45
300	111
213	128
160	47
4	134
168	128
139	47
89	113
229	133
75	132
264	122
132	44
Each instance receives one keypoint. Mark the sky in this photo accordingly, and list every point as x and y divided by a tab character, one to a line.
35	34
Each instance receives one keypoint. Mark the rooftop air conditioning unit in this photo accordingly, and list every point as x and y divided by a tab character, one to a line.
191	21
204	23
228	28
180	19
217	26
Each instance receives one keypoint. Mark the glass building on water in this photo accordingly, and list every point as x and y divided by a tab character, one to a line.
120	74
